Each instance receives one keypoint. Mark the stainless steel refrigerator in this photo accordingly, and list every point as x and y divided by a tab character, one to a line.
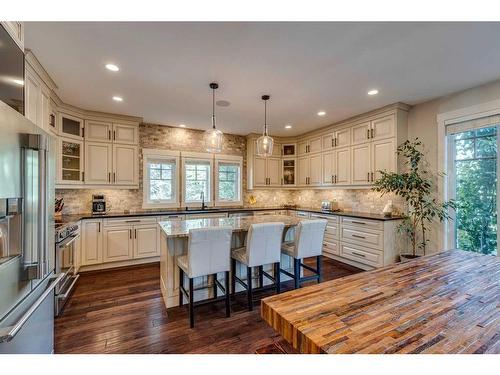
27	280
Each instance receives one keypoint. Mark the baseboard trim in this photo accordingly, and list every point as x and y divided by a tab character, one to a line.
121	264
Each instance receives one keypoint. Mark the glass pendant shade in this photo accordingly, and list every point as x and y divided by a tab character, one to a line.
265	143
213	137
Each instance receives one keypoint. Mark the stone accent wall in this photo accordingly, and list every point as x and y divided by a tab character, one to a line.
174	138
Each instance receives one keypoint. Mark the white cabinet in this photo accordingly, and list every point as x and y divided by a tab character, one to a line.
384	127
91	251
32	97
259	171
310	146
98	163
302	147
117	244
328	168
360	164
289	172
125	165
342	138
360	133
303	170
71	126
98	131
383	157
342	166
310	170
146	241
274	171
70	161
267	171
125	134
327	141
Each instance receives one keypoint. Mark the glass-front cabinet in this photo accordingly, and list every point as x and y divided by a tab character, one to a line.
70	159
289	172
289	149
70	126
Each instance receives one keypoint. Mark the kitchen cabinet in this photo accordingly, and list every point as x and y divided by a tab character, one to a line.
71	126
383	157
91	250
125	134
328	168
98	131
146	241
360	133
267	171
310	170
382	128
289	172
125	165
32	97
342	138
98	163
289	149
361	164
117	244
70	161
342	166
310	146
259	171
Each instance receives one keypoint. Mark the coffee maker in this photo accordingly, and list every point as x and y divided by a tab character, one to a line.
98	204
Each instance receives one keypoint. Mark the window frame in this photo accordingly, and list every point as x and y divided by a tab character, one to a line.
190	157
231	160
147	155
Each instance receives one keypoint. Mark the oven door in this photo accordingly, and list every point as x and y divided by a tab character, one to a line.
65	264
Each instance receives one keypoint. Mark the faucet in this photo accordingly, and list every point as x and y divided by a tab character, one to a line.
202	196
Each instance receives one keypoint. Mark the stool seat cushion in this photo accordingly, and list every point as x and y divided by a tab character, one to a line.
182	262
288	248
240	255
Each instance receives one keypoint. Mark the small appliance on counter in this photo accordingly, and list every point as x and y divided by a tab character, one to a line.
332	205
98	204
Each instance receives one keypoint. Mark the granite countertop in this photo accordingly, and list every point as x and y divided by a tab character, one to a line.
73	218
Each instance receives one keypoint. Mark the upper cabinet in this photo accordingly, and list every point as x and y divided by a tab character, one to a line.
125	134
98	131
289	150
71	126
16	31
310	146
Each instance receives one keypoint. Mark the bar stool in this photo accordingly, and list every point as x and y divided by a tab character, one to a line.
263	246
308	243
208	254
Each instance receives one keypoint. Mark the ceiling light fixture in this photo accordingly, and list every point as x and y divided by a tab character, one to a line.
182	126
112	67
321	113
117	98
373	92
213	137
265	143
288	126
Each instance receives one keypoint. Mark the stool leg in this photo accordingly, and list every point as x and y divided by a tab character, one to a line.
277	277
249	288
261	276
318	267
296	273
181	285
228	307
215	284
191	303
233	275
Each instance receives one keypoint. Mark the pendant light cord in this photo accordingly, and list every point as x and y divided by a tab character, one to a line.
213	108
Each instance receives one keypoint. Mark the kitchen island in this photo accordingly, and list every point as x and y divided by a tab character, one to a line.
174	241
443	303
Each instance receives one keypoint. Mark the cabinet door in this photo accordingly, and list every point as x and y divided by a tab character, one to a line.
276	150
328	168
289	149
45	110
302	147
91	242
383	127
315	170
126	134
125	165
342	161
259	171
343	138
359	133
146	241
273	171
70	126
303	170
32	97
315	144
361	165
383	157
97	131
70	161
327	141
117	244
289	172
98	163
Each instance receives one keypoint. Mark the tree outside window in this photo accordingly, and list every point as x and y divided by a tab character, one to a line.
229	176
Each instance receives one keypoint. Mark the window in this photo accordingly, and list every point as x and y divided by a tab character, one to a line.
228	186
197	180
160	177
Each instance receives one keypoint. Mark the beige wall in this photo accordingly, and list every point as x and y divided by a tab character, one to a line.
422	123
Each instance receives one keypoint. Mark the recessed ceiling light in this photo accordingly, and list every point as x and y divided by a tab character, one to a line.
117	98
373	92
112	67
288	126
321	113
182	125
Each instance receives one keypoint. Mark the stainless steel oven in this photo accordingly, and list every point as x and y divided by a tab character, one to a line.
65	264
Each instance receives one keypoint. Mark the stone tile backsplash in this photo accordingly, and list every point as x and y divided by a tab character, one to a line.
173	138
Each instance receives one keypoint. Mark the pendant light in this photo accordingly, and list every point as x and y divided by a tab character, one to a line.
265	143
213	136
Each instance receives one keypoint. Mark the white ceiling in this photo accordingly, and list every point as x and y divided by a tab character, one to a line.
305	67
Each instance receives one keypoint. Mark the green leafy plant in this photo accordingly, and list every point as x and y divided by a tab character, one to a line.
415	186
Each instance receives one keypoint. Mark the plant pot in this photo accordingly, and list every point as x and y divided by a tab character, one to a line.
407	257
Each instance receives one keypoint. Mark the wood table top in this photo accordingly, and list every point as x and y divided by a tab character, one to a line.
443	303
180	228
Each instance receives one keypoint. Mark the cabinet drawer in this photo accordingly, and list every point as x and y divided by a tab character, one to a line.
363	223
366	237
332	232
302	213
331	247
331	219
130	221
362	254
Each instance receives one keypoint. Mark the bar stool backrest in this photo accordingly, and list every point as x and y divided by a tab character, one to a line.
309	236
264	243
209	250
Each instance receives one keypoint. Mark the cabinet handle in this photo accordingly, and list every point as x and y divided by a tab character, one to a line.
99	227
372	176
281	181
114	135
367	133
114	177
109	135
372	135
358	254
132	221
83	176
135	233
333	142
333	179
358	236
368	176
336	142
83	132
358	222
130	233
109	176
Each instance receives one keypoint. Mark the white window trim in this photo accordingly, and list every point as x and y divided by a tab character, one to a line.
160	154
194	157
233	160
448	118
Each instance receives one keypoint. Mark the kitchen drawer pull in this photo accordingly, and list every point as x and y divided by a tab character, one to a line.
358	254
12	331
133	221
358	222
65	295
130	233
358	236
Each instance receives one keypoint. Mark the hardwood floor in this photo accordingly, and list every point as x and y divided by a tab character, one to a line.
122	311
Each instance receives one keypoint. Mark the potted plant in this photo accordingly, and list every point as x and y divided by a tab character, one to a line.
415	186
